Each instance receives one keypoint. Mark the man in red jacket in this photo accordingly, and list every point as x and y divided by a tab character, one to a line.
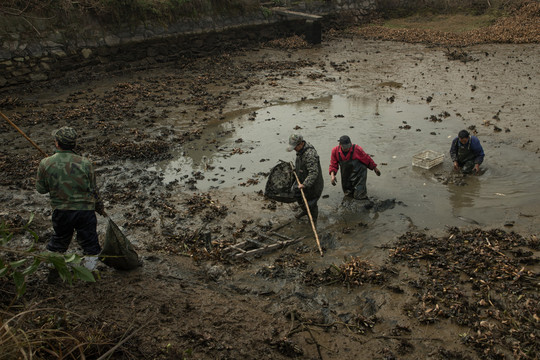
353	162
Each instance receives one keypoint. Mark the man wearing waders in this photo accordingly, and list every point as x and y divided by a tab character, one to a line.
70	181
308	170
353	163
467	153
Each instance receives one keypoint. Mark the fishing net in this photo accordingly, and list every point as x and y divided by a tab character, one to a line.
117	250
280	182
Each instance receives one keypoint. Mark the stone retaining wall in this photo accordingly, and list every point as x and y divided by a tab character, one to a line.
40	51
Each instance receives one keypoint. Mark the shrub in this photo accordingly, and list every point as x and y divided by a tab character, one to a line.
17	265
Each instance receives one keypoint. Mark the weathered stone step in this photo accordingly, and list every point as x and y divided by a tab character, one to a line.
295	14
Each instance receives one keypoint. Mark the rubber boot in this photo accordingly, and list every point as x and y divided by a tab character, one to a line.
90	262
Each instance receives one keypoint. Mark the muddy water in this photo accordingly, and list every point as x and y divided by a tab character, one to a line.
235	154
249	143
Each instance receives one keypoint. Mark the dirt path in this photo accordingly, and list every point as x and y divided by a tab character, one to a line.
188	301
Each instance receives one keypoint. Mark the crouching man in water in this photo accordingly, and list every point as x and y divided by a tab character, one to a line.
308	170
467	153
353	163
70	181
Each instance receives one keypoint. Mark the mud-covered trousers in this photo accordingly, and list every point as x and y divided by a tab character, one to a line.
465	158
65	222
313	207
354	179
312	203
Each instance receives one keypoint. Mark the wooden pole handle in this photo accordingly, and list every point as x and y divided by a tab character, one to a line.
23	134
307	210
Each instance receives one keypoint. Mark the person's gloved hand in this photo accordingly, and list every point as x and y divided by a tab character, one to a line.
333	179
100	208
377	171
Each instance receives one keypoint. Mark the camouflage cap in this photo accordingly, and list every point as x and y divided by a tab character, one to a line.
66	135
294	140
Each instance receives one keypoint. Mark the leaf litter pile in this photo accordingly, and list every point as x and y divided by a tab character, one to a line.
486	281
479	279
521	26
293	42
355	272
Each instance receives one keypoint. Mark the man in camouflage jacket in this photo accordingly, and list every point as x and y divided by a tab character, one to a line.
70	181
308	169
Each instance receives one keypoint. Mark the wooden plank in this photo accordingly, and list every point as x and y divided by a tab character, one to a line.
235	247
259	244
267	237
289	13
268	248
281	235
283	225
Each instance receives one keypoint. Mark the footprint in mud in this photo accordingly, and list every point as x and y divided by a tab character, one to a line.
328	240
353	205
365	205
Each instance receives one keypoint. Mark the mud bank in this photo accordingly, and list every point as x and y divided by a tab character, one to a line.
181	153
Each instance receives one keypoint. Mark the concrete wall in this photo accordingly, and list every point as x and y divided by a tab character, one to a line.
41	51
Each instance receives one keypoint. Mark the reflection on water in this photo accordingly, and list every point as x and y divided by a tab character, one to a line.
235	154
464	196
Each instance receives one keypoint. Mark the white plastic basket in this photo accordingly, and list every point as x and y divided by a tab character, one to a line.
427	159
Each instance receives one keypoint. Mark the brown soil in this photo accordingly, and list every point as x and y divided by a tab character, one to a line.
422	296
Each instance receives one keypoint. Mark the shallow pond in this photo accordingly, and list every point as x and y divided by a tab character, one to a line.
235	154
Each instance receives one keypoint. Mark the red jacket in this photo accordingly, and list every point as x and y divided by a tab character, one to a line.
358	154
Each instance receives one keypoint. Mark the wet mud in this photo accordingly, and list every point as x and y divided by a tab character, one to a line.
433	265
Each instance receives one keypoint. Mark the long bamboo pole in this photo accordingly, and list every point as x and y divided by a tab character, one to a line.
307	209
23	134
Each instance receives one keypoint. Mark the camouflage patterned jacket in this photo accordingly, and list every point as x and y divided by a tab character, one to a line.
308	169
69	179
